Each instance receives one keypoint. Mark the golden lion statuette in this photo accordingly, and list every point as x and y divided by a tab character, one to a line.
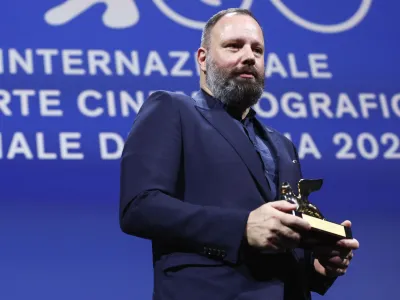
322	231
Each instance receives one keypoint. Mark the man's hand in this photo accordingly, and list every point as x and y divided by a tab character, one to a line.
270	227
334	261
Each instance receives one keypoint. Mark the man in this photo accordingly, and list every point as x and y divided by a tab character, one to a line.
199	177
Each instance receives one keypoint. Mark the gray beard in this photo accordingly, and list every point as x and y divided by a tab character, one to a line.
231	91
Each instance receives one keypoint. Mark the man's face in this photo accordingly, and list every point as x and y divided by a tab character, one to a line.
235	61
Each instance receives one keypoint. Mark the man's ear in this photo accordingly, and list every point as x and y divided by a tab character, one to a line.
201	58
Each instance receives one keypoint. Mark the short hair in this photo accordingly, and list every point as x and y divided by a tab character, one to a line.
206	34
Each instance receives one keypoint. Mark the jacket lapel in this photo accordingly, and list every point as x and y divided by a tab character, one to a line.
224	124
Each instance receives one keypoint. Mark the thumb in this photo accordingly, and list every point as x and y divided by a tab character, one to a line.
346	223
283	205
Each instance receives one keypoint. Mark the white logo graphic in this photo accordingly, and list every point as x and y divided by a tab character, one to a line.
335	28
170	13
118	15
121	14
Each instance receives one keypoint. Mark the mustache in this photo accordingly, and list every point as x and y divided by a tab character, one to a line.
247	70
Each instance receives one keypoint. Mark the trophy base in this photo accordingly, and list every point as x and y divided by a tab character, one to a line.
323	233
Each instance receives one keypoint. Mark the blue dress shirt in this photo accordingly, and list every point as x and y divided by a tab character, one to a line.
261	146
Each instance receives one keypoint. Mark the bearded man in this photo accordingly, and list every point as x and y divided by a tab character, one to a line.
200	178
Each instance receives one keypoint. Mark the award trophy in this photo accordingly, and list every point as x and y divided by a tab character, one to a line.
322	231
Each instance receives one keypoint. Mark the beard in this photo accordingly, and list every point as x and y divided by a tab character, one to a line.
231	89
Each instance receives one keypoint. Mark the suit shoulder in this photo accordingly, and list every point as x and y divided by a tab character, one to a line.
175	97
163	100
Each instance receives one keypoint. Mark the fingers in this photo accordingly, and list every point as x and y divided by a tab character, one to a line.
335	271
283	205
335	265
352	244
336	259
346	223
272	227
288	238
329	251
335	262
294	222
282	208
289	227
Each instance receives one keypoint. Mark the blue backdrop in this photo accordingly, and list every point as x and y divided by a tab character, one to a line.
73	75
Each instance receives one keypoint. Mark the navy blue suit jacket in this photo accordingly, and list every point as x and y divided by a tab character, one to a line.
189	179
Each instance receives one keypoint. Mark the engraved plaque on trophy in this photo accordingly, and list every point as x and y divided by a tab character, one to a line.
323	232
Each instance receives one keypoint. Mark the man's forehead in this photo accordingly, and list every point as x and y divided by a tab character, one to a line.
236	26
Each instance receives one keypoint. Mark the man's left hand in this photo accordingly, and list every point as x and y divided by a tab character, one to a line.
334	261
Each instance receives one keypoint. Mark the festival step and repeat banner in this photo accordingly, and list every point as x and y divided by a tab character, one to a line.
74	74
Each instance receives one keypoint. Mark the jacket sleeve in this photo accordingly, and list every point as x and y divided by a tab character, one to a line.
317	283
152	205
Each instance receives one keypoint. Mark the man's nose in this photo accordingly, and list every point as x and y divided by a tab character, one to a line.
248	55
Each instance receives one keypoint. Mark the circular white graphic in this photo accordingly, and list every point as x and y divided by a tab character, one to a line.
348	24
333	28
173	15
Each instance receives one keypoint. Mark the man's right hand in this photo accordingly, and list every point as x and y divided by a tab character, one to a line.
270	227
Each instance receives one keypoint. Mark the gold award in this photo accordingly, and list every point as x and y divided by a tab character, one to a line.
322	231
